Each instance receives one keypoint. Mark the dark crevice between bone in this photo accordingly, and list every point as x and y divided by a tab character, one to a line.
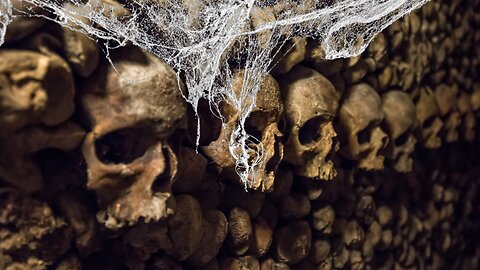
273	163
333	151
163	181
210	124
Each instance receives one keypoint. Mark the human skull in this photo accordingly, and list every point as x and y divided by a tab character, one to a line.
291	54
259	17
264	124
34	89
469	121
399	123
475	98
428	116
311	103
361	138
22	26
447	103
136	128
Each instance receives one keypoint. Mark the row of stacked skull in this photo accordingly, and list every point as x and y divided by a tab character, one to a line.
137	118
299	118
368	129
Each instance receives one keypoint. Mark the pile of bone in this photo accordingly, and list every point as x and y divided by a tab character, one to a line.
370	161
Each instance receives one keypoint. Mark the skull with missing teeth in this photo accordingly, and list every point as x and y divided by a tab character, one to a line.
311	103
137	121
400	121
361	137
263	124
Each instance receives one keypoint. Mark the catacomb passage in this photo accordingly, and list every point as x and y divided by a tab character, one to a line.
372	162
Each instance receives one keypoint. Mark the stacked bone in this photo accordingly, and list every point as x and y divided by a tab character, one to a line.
371	160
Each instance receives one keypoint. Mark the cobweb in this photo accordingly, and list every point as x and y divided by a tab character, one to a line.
203	40
5	18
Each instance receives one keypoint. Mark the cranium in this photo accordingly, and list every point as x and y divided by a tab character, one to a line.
469	121
261	16
361	137
399	123
428	117
136	126
378	47
22	26
447	103
290	55
311	103
475	98
34	89
263	123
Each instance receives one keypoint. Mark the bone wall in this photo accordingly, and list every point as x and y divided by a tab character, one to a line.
371	162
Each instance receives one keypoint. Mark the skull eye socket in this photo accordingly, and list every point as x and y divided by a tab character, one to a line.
311	131
124	145
365	135
402	139
429	121
255	123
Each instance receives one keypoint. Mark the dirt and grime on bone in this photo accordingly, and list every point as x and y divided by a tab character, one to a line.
370	162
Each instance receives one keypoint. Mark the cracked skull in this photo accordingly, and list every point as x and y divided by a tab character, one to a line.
311	103
136	128
361	138
263	123
399	123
